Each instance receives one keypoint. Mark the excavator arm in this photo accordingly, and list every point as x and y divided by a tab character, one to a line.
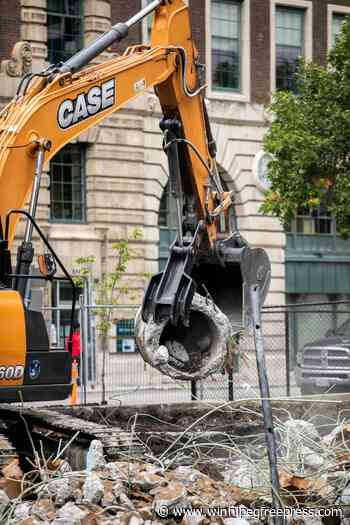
55	106
62	104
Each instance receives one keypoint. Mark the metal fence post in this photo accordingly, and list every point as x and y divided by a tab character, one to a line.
58	320
86	352
286	325
193	390
92	331
265	401
230	385
83	347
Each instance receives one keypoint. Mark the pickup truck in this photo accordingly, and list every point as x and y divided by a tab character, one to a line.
324	365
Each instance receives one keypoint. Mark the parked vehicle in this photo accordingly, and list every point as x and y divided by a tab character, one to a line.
324	365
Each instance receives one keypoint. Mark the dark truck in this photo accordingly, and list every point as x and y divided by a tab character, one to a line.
324	365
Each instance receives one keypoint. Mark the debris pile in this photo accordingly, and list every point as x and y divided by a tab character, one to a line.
314	470
122	492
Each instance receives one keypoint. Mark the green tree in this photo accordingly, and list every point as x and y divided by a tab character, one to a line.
110	289
309	140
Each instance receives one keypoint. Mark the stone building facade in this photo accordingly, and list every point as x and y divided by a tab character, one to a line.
123	168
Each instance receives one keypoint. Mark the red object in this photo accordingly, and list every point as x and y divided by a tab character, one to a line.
75	345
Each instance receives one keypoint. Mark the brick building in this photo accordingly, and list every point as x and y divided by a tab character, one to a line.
113	177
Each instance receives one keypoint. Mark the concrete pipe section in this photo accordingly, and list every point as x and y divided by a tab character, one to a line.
186	353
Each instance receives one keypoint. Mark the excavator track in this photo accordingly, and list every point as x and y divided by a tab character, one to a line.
54	429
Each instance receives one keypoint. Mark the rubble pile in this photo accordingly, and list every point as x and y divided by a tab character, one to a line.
123	492
314	472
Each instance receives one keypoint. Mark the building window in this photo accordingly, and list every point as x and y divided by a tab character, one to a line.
125	336
318	222
67	184
167	210
290	25
64	29
147	24
226	45
337	22
336	15
167	223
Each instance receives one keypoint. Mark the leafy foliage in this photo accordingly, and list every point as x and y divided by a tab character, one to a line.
309	140
83	269
109	289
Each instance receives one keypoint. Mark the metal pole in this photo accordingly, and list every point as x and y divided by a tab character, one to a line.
86	349
91	324
82	348
39	164
143	13
286	328
193	391
230	385
265	401
58	317
116	34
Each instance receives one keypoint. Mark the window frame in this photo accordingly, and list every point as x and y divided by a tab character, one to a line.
166	227
243	95
301	46
61	306
315	219
305	5
83	220
61	15
333	9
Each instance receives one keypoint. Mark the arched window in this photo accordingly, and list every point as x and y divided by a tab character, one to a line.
167	221
167	225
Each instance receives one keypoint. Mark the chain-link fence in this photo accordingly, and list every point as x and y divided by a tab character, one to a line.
120	375
318	349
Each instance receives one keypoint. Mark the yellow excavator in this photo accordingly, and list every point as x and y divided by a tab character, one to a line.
48	111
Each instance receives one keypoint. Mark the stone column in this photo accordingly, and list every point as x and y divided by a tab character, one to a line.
34	30
97	20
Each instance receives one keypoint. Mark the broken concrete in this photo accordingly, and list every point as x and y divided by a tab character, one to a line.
72	514
12	478
132	492
186	353
93	489
22	511
44	509
95	459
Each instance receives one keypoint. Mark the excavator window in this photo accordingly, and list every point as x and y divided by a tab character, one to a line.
61	297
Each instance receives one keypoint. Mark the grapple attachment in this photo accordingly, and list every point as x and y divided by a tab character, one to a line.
192	309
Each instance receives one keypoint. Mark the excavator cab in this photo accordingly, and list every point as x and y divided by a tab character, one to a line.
29	369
